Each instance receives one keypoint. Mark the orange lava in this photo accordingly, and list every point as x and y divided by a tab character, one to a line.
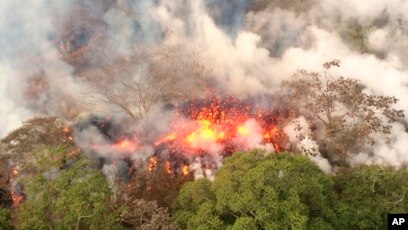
152	164
17	199
185	170
221	124
125	146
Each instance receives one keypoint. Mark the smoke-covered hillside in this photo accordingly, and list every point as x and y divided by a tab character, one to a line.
155	89
65	59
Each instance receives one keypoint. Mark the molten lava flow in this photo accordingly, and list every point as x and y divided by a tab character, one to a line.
243	131
185	170
125	146
169	137
17	199
168	167
201	131
68	133
152	164
221	126
73	153
204	134
14	171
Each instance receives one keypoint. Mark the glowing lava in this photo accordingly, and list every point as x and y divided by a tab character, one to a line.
202	130
221	126
204	134
152	164
17	199
125	146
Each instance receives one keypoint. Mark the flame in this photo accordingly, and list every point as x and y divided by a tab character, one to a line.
215	126
243	131
203	134
152	164
170	137
125	146
17	199
73	153
218	125
267	136
14	171
168	167
185	170
66	129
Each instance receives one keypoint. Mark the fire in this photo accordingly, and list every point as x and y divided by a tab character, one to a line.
185	170
152	164
170	137
17	199
14	171
203	134
201	130
221	126
243	131
125	146
73	153
168	167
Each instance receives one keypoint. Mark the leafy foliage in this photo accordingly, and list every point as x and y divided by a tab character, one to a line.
342	115
142	214
143	201
371	192
157	185
75	197
258	190
5	219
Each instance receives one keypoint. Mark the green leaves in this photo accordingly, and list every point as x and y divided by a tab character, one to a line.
257	190
5	219
76	197
371	192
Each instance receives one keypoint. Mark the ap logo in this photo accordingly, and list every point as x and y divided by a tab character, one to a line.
397	221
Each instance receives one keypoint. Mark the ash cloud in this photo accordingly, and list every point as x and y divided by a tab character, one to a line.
50	50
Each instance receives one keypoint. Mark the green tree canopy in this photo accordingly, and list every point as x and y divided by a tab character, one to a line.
371	192
259	190
74	198
5	219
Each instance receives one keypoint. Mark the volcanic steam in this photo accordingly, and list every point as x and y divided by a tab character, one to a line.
202	130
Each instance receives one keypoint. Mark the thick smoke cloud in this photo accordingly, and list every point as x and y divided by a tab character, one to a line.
50	49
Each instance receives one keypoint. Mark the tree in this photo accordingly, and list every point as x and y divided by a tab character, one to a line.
368	194
257	190
144	200
5	219
341	114
76	197
159	184
136	84
141	214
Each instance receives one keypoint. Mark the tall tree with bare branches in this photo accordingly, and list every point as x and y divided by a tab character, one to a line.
342	115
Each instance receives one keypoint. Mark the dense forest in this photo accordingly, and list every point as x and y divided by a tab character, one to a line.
253	190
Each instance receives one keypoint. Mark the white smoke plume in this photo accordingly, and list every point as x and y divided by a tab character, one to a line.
50	50
307	144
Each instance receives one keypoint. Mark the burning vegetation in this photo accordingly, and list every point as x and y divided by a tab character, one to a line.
181	114
200	130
